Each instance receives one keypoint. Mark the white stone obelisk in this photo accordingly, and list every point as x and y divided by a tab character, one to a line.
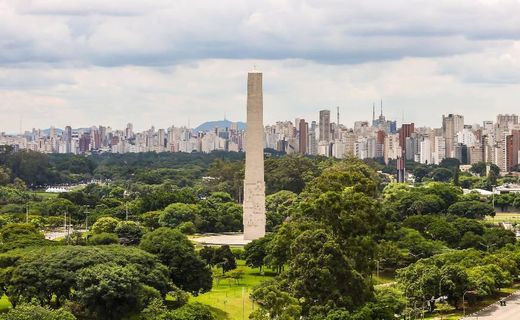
254	184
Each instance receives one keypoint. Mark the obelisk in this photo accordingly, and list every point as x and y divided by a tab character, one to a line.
254	184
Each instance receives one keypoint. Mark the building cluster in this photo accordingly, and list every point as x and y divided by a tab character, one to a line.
493	142
496	142
103	139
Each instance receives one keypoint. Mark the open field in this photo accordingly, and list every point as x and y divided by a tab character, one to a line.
44	195
230	300
505	217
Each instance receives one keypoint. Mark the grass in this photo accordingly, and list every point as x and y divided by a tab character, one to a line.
45	195
5	305
384	277
505	217
229	300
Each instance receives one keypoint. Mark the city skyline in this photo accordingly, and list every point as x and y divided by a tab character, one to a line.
92	62
496	142
314	116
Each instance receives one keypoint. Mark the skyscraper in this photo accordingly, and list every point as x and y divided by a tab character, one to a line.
303	129
405	132
67	137
254	184
325	125
451	125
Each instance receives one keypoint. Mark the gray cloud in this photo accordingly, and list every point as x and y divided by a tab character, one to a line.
161	32
161	62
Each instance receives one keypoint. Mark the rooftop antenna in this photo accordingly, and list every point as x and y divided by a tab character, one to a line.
337	108
373	112
381	107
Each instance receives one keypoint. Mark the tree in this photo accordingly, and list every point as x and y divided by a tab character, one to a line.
103	238
49	274
450	163
471	209
453	282
417	245
108	291
442	230
150	219
256	251
351	172
218	216
274	304
186	268
129	232
498	237
442	175
321	276
420	280
478	168
191	311
177	213
290	172
207	254
105	224
420	172
21	235
34	312
224	258
278	206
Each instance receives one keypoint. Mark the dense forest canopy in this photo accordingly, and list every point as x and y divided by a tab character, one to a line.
332	225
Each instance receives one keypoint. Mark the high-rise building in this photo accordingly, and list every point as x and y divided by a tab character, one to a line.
303	136
505	121
325	126
67	137
254	183
405	132
451	125
512	149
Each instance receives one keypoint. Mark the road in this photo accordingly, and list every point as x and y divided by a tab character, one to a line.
496	312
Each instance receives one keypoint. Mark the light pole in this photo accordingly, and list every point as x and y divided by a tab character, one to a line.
86	219
440	284
493	190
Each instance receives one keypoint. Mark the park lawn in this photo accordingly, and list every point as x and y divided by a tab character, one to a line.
504	217
229	300
45	195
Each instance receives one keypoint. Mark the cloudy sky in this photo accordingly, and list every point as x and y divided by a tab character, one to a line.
164	62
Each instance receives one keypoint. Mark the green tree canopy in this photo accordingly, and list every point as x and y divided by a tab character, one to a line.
186	268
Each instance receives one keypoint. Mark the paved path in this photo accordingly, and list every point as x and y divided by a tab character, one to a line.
229	239
496	312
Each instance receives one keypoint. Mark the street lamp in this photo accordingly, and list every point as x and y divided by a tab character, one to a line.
86	219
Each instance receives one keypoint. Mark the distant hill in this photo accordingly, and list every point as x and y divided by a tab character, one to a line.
210	125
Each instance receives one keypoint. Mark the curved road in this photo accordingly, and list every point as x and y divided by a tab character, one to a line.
496	312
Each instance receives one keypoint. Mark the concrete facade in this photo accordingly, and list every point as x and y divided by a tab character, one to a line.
254	184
